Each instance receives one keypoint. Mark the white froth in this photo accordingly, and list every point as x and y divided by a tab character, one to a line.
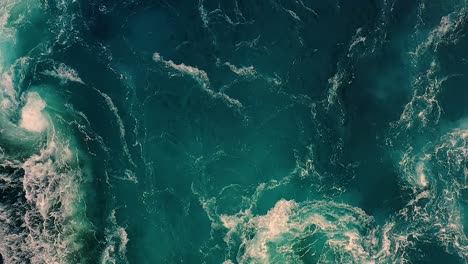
243	71
120	123
51	187
293	15
334	83
6	104
32	116
421	174
117	239
4	19
199	76
288	221
321	222
230	222
203	13
123	240
276	221
357	40
64	73
6	83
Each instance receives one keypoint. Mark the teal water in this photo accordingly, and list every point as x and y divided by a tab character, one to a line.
279	131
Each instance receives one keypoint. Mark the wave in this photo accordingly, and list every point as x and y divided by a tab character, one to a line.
324	231
42	210
50	219
116	239
201	77
32	117
436	176
114	110
303	215
432	171
424	109
64	73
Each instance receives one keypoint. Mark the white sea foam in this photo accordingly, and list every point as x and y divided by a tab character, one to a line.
335	83
203	13
293	15
288	222
357	39
434	212
64	73
420	172
196	73
116	239
434	176
275	222
46	222
269	228
9	19
440	211
52	217
201	77
120	123
351	236
32	116
242	71
424	109
6	84
7	92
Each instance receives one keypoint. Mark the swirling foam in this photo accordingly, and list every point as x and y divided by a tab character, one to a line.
32	116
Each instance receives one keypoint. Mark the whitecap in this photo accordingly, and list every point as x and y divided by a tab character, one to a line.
242	71
116	239
64	73
114	110
32	116
196	73
420	172
201	77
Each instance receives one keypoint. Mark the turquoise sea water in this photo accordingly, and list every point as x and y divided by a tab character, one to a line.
232	131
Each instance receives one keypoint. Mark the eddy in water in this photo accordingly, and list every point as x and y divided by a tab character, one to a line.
229	131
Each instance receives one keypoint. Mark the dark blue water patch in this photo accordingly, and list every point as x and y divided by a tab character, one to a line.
169	213
146	27
430	253
376	97
380	188
454	98
377	86
104	19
